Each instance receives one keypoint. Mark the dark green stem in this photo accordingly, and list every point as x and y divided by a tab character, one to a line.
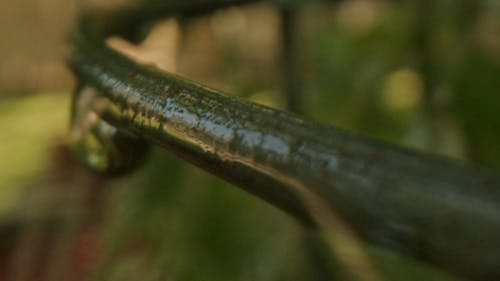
423	206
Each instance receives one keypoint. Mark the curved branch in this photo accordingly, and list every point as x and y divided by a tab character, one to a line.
420	205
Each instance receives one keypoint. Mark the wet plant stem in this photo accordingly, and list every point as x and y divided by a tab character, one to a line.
419	205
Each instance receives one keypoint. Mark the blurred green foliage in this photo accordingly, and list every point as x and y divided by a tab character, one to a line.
28	125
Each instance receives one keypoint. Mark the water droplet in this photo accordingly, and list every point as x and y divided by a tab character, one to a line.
101	147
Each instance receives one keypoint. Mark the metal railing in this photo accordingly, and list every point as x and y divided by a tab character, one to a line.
423	206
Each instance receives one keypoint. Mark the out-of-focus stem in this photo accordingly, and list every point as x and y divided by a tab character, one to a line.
291	78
